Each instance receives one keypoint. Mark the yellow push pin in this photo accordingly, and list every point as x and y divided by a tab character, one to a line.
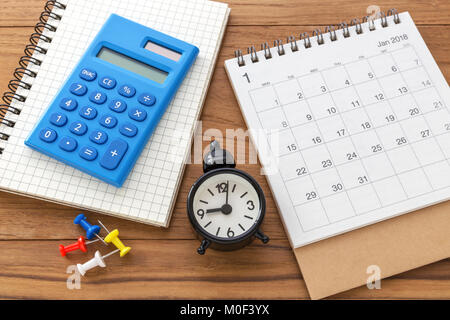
113	237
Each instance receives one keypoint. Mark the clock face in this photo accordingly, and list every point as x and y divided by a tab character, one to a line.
226	205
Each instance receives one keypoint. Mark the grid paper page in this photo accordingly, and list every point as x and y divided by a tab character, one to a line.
350	132
150	190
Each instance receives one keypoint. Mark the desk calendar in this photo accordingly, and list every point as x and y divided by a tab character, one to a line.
103	116
352	126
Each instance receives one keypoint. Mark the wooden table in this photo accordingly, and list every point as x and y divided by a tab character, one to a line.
164	263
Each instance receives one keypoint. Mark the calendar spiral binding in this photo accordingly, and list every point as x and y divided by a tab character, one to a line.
293	43
45	18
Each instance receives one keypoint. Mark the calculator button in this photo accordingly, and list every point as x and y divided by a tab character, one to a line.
147	99
88	153
78	89
98	136
128	130
68	104
68	144
48	135
78	128
118	105
107	83
108	121
88	112
88	75
137	114
97	97
114	154
58	119
127	91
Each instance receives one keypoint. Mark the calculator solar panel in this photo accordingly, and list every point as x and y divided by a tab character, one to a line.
104	114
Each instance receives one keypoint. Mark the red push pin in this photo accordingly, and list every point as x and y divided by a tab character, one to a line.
79	245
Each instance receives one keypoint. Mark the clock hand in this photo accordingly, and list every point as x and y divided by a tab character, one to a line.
225	209
226	199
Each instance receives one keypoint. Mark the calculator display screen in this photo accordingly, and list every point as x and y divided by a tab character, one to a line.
132	65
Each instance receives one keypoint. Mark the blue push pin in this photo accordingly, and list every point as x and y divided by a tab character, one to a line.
91	230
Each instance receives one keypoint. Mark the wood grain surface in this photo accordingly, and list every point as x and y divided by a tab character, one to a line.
163	262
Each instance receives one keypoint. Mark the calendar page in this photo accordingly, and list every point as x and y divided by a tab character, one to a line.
349	132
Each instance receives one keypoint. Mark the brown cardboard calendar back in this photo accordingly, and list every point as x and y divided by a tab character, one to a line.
396	245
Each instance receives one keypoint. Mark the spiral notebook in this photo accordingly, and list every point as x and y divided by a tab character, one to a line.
61	36
352	127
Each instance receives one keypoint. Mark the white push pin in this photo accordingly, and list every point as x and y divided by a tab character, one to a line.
96	261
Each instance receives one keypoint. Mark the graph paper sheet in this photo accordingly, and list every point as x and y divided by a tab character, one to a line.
151	188
349	132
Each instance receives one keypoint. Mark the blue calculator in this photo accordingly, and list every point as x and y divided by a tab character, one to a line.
104	114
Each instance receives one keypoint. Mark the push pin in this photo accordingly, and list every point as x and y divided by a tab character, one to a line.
97	261
79	245
91	230
113	237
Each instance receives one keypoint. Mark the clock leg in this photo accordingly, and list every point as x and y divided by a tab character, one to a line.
203	246
261	236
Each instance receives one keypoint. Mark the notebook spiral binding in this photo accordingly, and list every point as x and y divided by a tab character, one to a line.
330	30
46	16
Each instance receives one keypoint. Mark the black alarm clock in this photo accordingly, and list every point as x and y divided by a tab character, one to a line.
226	206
